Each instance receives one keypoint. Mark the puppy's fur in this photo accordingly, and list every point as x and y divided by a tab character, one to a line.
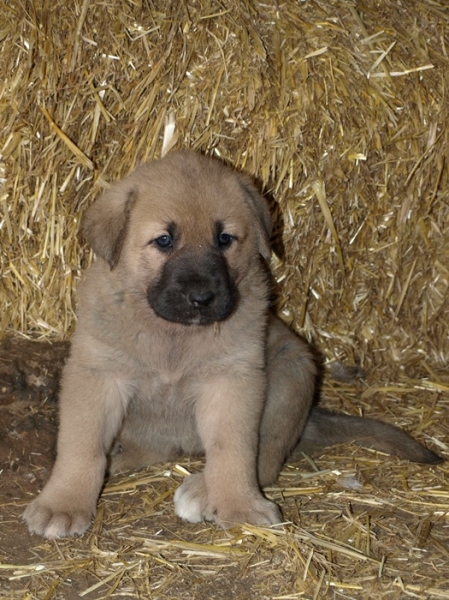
175	353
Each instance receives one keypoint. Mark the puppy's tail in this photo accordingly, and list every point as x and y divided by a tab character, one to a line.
324	428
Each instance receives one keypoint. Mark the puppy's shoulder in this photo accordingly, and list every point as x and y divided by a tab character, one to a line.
101	296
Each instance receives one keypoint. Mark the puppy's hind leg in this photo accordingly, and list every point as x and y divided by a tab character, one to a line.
291	371
127	456
92	408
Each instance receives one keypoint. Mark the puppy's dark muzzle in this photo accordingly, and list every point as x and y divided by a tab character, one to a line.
194	289
201	299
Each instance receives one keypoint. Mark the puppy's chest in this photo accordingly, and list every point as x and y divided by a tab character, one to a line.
163	398
172	382
171	358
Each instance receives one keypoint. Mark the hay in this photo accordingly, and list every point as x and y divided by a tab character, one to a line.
340	109
355	528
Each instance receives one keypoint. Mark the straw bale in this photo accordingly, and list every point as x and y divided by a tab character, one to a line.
339	109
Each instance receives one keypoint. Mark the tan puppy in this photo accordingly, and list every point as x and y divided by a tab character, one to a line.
175	354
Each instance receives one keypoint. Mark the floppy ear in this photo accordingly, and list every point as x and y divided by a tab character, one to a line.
105	223
260	210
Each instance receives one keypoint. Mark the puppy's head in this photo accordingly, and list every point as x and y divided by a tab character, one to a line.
184	232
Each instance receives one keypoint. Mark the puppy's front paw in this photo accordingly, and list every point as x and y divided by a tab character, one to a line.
56	520
254	510
191	502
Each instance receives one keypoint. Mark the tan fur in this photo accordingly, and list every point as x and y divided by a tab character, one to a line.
142	388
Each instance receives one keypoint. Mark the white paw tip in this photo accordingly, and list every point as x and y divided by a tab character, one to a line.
187	508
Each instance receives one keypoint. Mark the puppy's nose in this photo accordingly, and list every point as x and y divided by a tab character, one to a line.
201	299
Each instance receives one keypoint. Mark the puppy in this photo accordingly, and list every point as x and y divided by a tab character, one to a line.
176	353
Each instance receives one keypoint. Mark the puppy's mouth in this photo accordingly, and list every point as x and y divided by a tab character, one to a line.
178	307
194	292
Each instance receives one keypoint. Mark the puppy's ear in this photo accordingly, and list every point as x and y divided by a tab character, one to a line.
105	223
260	210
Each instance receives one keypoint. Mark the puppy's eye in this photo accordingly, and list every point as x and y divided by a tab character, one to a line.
164	242
225	240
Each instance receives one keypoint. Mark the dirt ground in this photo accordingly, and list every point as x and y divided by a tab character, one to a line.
29	376
28	427
358	525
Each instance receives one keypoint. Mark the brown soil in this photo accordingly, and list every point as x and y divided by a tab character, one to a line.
360	525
